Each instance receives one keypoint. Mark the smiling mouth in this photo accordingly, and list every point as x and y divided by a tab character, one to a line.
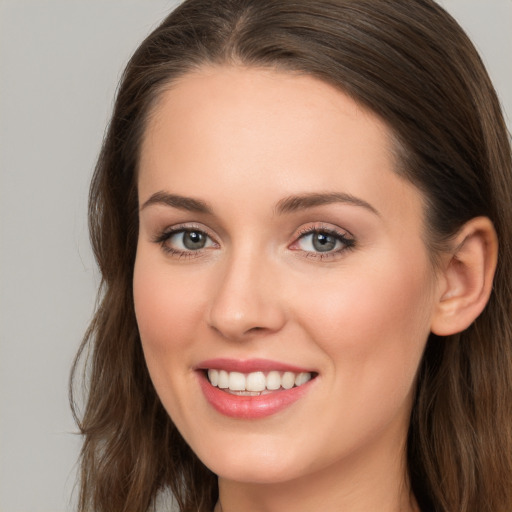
253	389
256	383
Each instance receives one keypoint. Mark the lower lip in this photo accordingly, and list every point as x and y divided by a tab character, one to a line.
250	407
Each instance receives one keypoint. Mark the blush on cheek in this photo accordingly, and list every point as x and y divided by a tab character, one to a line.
164	319
373	318
164	312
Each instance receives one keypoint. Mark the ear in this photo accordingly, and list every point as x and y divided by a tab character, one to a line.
466	280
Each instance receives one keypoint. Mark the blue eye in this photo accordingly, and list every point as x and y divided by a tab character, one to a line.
189	240
185	241
323	241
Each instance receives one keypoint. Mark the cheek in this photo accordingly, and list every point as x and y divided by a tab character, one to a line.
168	308
374	329
169	311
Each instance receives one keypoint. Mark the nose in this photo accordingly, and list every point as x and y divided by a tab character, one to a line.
246	300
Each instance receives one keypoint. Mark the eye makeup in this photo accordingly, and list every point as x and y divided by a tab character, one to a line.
185	241
320	241
316	241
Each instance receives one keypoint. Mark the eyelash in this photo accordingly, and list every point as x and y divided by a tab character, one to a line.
165	236
348	242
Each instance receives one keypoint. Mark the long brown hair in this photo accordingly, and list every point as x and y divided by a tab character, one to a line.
409	62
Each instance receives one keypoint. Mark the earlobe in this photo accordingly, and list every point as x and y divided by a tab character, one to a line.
467	276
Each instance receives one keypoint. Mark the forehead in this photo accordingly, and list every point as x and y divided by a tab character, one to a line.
236	101
240	130
258	109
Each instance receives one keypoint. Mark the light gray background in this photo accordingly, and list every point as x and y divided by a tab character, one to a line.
60	61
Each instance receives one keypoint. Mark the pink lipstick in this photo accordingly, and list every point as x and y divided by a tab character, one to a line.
252	389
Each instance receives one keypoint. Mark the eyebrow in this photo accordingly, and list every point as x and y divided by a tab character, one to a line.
180	202
304	201
287	205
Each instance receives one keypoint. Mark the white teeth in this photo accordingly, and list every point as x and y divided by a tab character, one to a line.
236	381
213	375
257	381
288	380
223	379
302	378
273	381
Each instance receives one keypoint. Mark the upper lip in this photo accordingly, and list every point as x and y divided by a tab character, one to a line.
249	365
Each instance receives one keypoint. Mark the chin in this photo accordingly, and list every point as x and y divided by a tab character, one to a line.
252	472
259	465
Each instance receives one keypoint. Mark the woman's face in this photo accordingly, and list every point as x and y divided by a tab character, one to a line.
277	247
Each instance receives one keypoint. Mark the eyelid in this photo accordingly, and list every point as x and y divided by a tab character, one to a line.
347	239
343	235
165	234
324	227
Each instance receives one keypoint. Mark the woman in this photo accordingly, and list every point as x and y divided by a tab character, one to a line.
296	213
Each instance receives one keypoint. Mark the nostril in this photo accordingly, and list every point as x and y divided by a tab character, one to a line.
237	317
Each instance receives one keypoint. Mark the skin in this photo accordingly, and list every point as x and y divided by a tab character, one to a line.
242	140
